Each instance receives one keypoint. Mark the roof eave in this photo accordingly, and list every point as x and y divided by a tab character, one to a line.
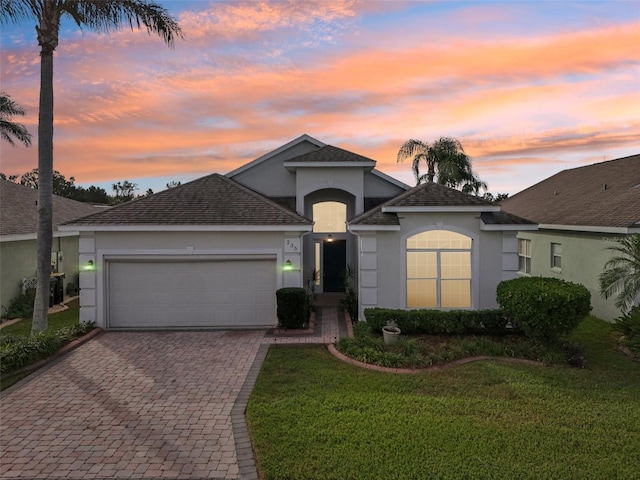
591	228
188	228
373	228
490	227
442	208
292	166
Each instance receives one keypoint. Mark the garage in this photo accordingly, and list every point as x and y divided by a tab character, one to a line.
194	293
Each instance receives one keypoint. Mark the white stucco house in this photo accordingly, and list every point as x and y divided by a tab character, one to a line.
213	252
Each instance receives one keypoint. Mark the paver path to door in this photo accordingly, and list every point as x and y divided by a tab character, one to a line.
130	405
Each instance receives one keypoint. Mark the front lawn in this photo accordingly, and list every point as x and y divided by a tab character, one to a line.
313	416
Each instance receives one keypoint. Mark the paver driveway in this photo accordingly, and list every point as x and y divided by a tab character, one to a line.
131	405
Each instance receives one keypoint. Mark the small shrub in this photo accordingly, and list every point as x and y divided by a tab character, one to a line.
17	351
544	308
360	329
21	306
293	309
629	325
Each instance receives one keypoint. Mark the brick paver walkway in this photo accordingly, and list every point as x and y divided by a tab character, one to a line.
142	405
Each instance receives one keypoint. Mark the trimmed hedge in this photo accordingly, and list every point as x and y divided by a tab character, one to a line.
293	307
17	352
544	308
433	322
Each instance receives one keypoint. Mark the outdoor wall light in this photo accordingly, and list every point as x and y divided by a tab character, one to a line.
330	239
287	265
90	266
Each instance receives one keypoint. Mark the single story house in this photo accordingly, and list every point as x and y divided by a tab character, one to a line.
580	212
18	230
213	252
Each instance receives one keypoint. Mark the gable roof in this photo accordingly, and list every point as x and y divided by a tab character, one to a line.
328	155
214	200
19	213
296	141
433	194
433	197
601	196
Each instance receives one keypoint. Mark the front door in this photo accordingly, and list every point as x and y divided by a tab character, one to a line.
334	264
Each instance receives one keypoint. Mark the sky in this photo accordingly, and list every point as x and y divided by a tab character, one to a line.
528	88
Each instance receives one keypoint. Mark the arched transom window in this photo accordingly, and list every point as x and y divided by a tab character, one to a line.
329	217
439	270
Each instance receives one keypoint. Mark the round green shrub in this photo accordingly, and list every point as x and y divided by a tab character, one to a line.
544	308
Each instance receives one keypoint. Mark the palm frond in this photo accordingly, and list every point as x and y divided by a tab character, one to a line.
112	15
621	275
15	11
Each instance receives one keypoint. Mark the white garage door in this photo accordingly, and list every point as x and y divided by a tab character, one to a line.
209	293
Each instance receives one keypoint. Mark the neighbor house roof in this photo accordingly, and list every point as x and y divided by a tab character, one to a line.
436	198
601	196
214	200
19	210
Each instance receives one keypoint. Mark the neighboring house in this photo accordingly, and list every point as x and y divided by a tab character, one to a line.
580	211
18	246
213	252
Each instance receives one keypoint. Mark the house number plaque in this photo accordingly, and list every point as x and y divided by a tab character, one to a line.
292	245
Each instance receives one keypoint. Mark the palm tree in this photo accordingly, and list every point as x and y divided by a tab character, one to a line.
447	163
621	276
9	128
99	15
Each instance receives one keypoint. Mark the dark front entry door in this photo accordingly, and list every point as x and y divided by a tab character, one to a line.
334	264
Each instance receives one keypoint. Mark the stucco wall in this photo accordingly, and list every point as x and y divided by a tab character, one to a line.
100	247
18	261
270	178
583	259
382	267
377	187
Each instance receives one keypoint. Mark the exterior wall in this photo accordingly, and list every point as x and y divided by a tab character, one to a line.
18	261
101	246
382	262
310	180
376	187
270	177
583	258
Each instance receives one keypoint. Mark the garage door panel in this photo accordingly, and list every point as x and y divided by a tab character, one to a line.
237	293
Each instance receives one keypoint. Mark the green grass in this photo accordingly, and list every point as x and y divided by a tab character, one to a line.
66	318
57	321
312	416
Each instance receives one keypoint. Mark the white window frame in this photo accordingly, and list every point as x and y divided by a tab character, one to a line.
474	292
556	256
524	256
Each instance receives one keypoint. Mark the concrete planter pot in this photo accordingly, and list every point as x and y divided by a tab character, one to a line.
390	335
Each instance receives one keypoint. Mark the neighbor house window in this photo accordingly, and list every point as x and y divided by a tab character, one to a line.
329	217
439	270
524	256
556	256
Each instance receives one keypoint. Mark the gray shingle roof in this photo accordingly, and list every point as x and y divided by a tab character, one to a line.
432	194
503	218
435	195
211	200
18	209
578	196
329	153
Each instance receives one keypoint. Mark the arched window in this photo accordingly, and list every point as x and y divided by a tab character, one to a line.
329	217
439	270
